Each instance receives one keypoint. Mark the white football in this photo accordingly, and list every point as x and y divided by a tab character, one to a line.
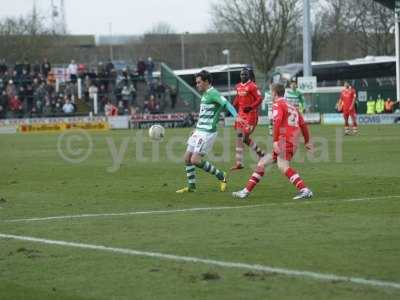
156	132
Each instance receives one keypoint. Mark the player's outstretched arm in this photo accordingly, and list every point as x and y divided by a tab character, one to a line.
229	107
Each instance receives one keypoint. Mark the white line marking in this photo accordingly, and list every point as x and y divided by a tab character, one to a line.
148	212
256	267
195	209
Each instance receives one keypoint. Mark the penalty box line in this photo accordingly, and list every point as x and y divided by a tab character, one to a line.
195	209
225	264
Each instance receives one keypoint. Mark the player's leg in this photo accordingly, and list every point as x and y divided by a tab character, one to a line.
292	175
199	161
353	116
255	177
252	144
346	122
204	144
239	149
189	167
190	174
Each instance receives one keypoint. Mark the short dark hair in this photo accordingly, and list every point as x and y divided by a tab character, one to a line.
278	88
205	76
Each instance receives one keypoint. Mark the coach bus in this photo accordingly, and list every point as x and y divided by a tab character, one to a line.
368	72
372	77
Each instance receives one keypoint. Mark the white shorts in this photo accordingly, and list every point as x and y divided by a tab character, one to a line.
201	142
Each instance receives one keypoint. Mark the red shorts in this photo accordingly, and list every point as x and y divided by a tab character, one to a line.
286	151
348	112
250	120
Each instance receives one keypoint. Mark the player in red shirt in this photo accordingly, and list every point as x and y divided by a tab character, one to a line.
348	102
248	99
288	123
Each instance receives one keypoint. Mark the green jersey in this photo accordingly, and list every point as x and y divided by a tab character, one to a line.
211	106
295	97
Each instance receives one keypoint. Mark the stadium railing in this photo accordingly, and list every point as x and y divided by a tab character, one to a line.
185	91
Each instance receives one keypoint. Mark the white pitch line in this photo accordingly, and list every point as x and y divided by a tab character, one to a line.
226	264
148	212
195	209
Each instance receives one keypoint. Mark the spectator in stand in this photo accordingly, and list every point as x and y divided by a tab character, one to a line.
160	91
102	96
3	67
3	104
109	66
149	69
141	68
126	94
36	69
122	110
68	108
389	106
18	70
134	111
39	95
11	89
22	97
58	106
29	97
27	66
154	105
47	108
15	106
73	71
110	110
46	67
173	95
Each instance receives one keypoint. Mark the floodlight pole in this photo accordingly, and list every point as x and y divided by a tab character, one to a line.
183	50
397	40
307	53
227	53
111	41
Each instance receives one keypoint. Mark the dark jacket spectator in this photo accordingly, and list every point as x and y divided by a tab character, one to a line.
141	67
46	67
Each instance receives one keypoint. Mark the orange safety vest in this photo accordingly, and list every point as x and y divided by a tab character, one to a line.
389	106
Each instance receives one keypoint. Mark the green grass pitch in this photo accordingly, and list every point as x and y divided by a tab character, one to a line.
350	228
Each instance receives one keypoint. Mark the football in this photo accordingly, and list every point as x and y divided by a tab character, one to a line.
156	132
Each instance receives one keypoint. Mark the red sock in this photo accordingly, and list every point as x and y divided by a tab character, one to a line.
254	179
295	179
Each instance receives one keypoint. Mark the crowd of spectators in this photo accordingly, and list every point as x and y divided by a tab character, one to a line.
28	90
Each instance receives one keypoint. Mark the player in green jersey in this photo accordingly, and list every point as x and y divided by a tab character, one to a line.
203	137
294	96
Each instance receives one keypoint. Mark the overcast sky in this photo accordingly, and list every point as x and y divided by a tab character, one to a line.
126	16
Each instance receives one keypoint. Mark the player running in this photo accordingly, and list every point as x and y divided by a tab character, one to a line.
348	101
203	137
247	101
288	122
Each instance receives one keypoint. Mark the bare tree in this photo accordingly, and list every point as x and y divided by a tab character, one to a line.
262	26
24	37
352	28
375	24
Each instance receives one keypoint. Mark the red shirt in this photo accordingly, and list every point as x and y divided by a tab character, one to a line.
247	95
15	104
347	96
288	122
